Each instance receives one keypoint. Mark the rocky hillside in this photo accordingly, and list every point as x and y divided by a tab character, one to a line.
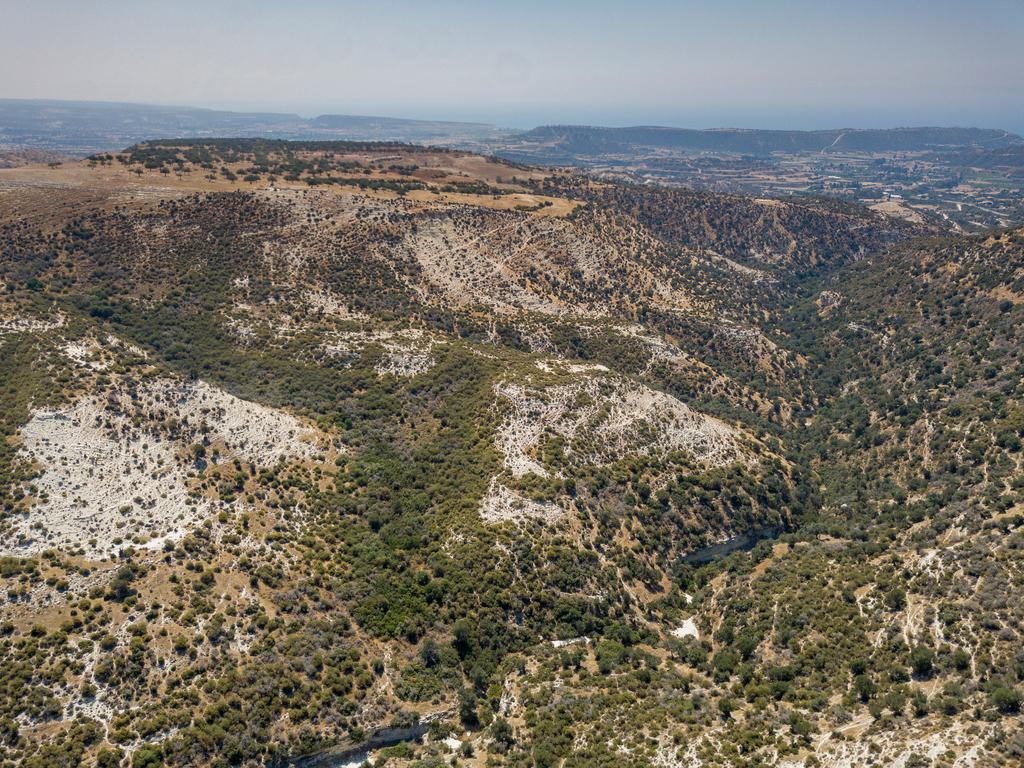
303	441
801	234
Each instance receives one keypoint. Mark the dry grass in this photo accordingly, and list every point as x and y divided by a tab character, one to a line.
436	169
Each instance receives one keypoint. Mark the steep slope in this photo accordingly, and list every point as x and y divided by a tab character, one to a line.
920	354
358	435
801	234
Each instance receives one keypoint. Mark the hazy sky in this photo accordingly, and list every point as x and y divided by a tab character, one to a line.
798	63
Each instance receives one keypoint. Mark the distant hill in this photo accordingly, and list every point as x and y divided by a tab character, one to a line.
16	157
83	127
566	141
398	129
1009	159
88	126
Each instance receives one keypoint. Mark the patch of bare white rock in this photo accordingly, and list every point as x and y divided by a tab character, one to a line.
24	324
903	747
114	467
599	418
502	503
404	352
250	317
603	417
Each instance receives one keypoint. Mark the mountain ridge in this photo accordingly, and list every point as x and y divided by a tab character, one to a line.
579	138
34	119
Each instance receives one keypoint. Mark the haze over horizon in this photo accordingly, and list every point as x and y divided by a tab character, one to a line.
799	65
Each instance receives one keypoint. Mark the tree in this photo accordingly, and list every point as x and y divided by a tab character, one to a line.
895	701
920	704
467	708
462	631
8	731
109	758
1006	700
726	706
922	660
501	733
430	654
864	686
147	756
896	599
120	587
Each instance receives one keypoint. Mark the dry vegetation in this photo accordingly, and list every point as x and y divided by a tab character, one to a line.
385	436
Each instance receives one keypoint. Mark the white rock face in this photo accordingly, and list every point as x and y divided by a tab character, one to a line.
452	743
22	324
502	504
594	417
899	746
255	432
571	641
404	363
603	418
100	486
406	352
114	467
687	629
